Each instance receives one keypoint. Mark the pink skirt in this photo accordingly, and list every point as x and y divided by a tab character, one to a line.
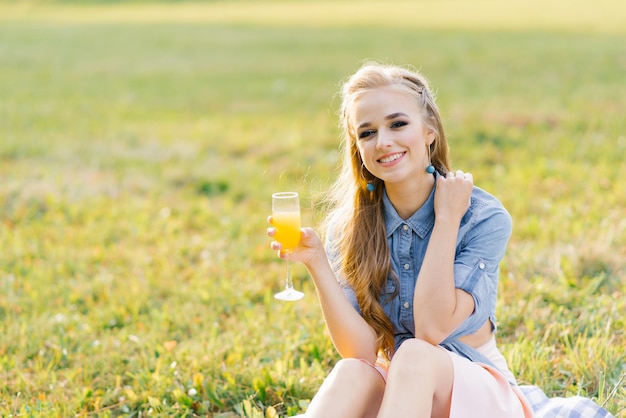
479	391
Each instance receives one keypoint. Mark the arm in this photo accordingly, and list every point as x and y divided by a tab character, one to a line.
438	306
473	270
349	332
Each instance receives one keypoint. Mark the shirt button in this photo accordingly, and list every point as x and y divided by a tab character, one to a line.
405	227
407	266
406	305
481	265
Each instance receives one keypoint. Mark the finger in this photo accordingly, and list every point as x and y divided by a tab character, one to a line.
271	232
469	176
459	173
275	245
270	219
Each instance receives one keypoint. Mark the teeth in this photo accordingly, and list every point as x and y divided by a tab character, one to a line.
390	158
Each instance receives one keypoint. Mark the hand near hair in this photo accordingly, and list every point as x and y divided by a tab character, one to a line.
309	248
452	196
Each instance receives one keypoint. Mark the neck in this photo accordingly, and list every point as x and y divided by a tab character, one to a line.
407	198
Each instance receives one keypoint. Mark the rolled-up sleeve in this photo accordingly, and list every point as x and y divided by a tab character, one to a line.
476	267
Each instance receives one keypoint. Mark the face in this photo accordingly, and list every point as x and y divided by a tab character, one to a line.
391	137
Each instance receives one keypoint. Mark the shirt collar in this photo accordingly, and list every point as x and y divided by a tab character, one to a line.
421	222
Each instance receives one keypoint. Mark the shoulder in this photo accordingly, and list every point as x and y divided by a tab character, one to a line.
486	204
487	211
482	196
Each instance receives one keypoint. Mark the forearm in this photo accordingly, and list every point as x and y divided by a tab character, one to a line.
349	332
435	298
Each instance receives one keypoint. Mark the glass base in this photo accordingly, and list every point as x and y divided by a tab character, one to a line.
289	295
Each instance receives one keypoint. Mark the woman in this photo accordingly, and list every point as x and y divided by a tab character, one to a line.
408	278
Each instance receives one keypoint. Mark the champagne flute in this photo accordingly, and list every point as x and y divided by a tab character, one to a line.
286	220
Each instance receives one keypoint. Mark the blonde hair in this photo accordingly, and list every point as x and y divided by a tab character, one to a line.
357	219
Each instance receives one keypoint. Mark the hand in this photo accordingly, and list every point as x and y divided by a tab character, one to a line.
309	248
452	195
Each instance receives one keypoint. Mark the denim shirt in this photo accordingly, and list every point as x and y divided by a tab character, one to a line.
483	235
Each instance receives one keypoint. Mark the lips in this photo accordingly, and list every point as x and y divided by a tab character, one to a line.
390	158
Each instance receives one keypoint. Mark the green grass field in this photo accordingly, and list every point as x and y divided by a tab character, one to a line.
140	143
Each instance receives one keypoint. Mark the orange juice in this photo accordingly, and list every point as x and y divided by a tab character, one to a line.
287	226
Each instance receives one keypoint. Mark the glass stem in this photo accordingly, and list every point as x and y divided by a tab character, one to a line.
288	281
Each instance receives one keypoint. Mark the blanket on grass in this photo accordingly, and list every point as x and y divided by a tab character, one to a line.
570	407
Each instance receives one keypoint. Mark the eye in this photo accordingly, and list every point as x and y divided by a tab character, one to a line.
398	124
366	134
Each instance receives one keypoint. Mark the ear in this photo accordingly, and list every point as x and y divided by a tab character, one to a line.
431	135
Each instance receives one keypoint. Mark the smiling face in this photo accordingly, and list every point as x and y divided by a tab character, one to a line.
390	135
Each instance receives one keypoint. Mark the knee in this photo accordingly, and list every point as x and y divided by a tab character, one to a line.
351	367
416	354
415	347
353	388
353	371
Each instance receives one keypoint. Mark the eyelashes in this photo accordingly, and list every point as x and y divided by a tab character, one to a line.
366	134
394	125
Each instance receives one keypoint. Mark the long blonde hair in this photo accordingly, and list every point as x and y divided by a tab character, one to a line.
357	218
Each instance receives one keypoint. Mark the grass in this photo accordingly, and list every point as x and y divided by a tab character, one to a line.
139	145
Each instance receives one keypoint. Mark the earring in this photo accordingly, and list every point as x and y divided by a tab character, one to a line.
430	169
371	186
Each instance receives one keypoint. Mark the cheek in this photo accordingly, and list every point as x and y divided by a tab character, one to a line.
366	146
361	150
363	154
367	158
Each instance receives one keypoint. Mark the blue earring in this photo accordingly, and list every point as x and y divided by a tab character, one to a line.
430	169
371	186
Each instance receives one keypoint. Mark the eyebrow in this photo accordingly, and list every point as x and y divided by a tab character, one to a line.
388	117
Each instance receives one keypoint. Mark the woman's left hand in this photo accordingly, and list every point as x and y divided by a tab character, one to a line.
452	195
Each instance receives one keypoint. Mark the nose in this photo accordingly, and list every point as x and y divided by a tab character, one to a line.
384	139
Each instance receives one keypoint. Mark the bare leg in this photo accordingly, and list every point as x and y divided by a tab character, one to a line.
419	382
352	390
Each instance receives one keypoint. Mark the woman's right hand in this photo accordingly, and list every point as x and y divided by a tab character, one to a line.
309	248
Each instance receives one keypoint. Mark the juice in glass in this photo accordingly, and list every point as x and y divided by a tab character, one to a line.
287	224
